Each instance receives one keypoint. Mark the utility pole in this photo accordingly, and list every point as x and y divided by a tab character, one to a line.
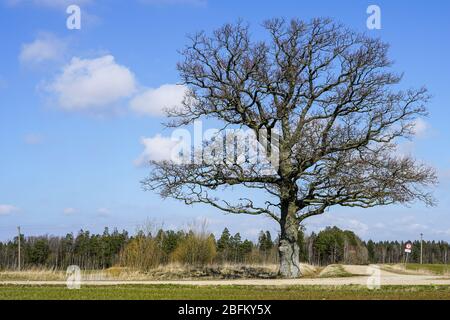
18	264
421	248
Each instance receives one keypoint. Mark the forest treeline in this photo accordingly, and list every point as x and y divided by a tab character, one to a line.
149	249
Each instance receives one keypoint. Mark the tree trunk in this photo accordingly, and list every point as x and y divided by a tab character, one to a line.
288	248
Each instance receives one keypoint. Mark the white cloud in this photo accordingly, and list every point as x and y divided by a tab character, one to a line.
45	48
405	149
103	212
6	209
379	225
158	148
358	227
92	84
154	102
404	220
347	223
33	138
421	128
69	211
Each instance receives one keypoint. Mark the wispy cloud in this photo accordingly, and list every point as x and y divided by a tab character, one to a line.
7	209
327	220
46	48
69	211
421	128
33	138
103	212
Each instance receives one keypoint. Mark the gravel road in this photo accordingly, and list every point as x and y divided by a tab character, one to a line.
362	276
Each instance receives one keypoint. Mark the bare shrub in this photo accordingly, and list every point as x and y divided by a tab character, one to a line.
198	248
143	252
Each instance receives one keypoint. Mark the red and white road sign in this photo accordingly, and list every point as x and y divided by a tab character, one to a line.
408	247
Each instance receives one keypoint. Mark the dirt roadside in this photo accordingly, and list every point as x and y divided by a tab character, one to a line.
362	276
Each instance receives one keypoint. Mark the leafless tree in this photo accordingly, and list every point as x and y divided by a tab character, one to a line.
330	94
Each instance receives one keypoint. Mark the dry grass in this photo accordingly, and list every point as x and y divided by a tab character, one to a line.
33	275
308	270
420	269
176	271
173	271
334	271
396	268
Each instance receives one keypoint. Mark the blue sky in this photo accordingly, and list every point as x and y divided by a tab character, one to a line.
69	153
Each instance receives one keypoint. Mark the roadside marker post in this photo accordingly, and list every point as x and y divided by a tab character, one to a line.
408	250
421	248
18	253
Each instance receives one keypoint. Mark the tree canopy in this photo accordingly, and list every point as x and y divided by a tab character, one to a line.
325	99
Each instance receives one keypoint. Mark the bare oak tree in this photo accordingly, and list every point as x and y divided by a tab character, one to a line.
329	93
